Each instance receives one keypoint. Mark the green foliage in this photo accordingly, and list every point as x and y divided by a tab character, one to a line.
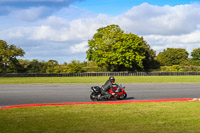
119	51
178	68
196	57
8	60
175	68
172	56
191	68
91	66
149	62
75	67
62	68
35	66
51	66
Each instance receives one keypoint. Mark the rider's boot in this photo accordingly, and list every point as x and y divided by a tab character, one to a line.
99	97
102	91
118	90
108	95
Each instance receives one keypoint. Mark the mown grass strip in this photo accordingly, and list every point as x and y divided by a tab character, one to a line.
167	117
119	79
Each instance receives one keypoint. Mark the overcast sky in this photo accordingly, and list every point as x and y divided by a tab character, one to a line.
60	29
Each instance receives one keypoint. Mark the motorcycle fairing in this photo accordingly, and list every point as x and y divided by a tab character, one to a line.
96	89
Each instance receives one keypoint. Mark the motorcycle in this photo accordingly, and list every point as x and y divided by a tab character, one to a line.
97	95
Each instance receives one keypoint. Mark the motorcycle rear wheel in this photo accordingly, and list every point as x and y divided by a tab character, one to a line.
93	97
121	97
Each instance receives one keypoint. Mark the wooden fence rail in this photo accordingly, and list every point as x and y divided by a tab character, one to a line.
102	74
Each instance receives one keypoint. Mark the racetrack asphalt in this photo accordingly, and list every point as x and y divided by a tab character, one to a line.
19	94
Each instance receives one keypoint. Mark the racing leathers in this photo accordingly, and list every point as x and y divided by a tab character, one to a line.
109	85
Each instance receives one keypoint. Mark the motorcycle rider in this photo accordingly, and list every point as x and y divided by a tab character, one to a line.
110	83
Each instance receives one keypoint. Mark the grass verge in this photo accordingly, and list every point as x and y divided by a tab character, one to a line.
119	79
166	117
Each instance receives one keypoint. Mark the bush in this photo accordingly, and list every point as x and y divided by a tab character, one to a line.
178	68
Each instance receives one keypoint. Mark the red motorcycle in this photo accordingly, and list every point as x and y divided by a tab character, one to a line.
96	93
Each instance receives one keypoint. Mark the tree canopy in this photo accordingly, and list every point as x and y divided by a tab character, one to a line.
196	56
118	51
172	56
8	56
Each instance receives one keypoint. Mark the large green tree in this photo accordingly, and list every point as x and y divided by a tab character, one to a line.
8	57
149	62
110	47
172	56
196	56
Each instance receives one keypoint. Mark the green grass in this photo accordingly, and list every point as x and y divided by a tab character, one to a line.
122	79
166	117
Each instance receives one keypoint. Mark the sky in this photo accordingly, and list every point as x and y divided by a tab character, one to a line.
60	29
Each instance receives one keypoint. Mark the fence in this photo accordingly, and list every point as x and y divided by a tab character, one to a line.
102	74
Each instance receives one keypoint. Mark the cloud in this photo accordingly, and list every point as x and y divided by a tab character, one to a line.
79	48
59	35
167	20
73	12
32	7
59	29
31	14
187	41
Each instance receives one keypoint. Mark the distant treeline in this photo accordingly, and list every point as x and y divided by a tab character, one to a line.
52	66
110	50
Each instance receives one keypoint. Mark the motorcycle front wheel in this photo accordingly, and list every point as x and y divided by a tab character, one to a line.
121	97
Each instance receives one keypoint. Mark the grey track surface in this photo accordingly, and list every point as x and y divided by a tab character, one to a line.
15	94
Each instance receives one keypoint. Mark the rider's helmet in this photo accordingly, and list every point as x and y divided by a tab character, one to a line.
112	79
